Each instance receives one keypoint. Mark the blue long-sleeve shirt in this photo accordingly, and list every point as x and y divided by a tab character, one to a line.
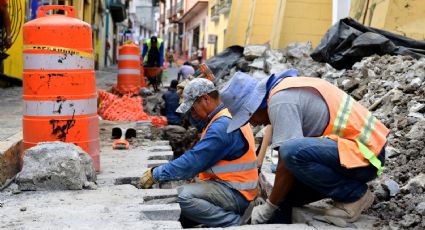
161	52
216	145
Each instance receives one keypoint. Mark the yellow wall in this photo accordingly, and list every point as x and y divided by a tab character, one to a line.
216	28
405	17
13	65
306	20
278	22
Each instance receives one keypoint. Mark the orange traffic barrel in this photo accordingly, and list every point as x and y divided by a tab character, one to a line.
59	84
128	69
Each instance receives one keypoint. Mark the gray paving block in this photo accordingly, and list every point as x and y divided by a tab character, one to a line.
155	163
169	212
160	143
159	196
166	155
160	148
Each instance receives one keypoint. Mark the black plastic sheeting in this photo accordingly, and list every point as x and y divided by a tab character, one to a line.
222	63
348	41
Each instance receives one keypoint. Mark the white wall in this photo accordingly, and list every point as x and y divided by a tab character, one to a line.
340	9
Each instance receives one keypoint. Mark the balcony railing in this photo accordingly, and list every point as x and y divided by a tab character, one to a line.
214	13
224	6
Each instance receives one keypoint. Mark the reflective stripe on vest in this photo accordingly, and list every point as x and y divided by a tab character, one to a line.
233	167
240	174
56	62
60	108
241	185
359	134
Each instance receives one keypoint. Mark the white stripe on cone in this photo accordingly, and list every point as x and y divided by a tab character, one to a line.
60	107
129	71
56	62
128	57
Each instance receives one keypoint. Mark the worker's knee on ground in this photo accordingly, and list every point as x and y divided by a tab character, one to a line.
290	152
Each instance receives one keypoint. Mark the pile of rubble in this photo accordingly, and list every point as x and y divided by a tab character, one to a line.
393	87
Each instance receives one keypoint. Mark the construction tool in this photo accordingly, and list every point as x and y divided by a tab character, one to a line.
120	144
205	72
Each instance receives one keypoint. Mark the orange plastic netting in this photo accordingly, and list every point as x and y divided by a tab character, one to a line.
126	108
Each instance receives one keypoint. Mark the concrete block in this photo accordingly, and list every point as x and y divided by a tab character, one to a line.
160	148
155	163
169	212
167	155
159	196
160	143
10	160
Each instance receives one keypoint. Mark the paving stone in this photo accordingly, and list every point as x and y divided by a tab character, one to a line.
167	155
161	212
160	143
155	163
160	148
156	195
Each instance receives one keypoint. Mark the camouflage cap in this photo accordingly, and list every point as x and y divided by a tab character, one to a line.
194	89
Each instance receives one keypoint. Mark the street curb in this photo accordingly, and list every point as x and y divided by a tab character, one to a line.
10	152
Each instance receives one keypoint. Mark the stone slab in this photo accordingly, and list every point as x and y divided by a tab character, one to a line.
166	155
170	212
160	148
155	163
10	151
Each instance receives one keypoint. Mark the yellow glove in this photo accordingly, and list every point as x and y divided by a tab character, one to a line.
147	180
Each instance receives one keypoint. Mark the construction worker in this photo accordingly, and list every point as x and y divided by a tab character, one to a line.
153	52
171	103
329	145
5	18
185	71
224	162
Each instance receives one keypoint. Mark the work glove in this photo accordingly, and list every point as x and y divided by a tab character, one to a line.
147	180
262	213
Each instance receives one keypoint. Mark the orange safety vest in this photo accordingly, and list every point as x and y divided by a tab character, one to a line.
360	136
240	174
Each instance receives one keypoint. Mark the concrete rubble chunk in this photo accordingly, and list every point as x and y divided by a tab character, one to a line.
391	186
417	181
56	166
417	131
420	208
252	52
258	63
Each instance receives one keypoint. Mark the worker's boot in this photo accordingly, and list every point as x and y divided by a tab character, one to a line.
351	211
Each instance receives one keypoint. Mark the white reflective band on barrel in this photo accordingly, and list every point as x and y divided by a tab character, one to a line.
128	57
241	185
129	71
238	167
60	107
56	62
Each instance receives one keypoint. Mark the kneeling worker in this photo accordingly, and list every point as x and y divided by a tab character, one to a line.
329	145
225	163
